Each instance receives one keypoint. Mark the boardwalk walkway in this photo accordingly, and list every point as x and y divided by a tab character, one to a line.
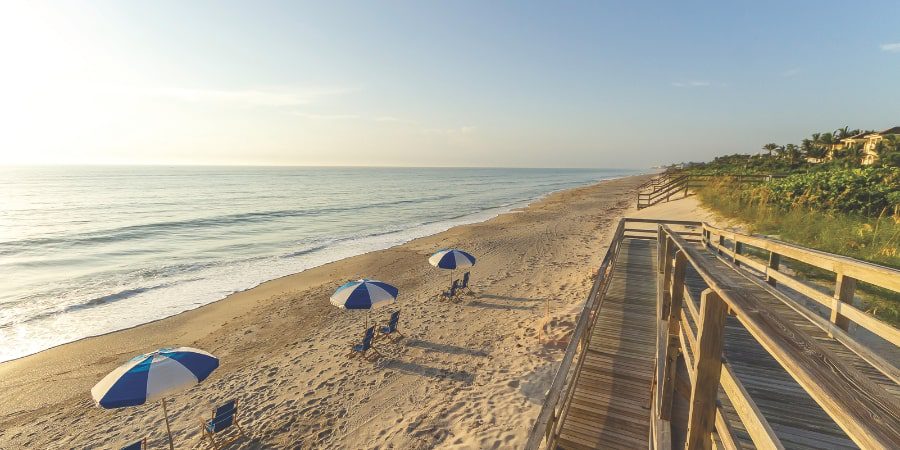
610	405
609	400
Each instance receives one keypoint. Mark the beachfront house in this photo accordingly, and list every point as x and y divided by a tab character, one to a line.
868	140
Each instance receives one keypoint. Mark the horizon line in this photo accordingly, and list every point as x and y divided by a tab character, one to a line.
323	166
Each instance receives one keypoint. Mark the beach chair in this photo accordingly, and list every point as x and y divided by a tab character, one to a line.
453	292
465	284
217	428
139	445
366	345
391	328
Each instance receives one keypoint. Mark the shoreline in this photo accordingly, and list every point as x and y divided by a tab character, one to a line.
445	225
282	334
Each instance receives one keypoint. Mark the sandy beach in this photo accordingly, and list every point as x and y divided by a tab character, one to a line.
467	375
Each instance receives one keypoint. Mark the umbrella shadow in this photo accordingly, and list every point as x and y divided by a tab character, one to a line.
507	297
481	304
444	348
427	371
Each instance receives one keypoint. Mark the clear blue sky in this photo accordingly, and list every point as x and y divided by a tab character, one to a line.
572	84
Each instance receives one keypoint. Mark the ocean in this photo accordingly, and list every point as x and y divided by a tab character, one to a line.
89	250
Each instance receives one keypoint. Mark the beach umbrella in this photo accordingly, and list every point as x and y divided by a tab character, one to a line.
451	258
364	294
153	376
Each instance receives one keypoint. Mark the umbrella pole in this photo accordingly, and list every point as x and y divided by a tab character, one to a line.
168	431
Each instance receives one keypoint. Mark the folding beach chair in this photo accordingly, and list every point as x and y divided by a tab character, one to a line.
224	418
465	284
366	345
453	292
391	328
139	445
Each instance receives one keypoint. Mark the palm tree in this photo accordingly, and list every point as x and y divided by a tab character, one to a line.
842	133
780	151
792	152
826	140
806	146
771	147
816	151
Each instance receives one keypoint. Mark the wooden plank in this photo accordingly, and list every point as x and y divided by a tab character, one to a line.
755	265
608	402
725	432
707	370
757	426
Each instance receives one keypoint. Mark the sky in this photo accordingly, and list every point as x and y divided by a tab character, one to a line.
427	83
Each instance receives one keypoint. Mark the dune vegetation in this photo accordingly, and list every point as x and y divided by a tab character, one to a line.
837	206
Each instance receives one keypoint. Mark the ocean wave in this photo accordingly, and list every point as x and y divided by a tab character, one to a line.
92	303
147	230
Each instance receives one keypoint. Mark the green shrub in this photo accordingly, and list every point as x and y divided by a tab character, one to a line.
869	191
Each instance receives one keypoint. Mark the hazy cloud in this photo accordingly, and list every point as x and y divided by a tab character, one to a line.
895	47
693	84
790	73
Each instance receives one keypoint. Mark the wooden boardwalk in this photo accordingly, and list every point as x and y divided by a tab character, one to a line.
610	405
690	350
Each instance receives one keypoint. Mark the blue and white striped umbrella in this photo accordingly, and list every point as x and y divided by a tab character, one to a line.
364	294
451	259
152	376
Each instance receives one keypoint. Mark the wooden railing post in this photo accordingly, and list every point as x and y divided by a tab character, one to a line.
738	248
774	263
721	244
667	277
662	250
844	289
673	344
707	371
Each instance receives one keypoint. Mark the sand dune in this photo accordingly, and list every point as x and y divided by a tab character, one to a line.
467	375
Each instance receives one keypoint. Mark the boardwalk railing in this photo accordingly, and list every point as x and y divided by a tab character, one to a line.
546	428
869	416
846	272
668	185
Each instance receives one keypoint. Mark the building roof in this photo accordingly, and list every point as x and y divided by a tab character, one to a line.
865	134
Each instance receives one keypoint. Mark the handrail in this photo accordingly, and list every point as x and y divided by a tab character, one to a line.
863	410
847	271
686	181
878	275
